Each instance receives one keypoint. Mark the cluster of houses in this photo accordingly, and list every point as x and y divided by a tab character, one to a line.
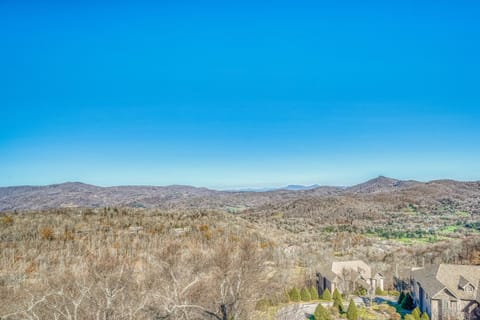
443	291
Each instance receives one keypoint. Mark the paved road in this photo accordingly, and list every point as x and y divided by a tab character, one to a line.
302	311
299	311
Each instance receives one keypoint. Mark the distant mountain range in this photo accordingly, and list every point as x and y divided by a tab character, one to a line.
291	187
76	194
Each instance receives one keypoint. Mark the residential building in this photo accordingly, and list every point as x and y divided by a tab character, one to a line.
347	276
447	291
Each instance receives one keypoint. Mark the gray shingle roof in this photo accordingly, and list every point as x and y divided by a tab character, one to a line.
435	278
427	277
326	271
462	282
357	269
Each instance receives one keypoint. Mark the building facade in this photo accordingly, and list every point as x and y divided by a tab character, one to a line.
447	291
347	276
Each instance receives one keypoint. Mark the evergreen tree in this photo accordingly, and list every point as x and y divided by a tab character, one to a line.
407	302
294	295
400	297
314	293
425	316
305	295
416	313
321	313
352	312
326	295
337	295
337	300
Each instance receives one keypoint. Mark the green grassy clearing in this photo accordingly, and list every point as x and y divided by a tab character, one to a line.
449	229
463	214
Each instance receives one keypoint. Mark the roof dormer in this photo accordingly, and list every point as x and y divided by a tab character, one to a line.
466	285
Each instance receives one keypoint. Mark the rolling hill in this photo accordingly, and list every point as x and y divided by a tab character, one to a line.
381	191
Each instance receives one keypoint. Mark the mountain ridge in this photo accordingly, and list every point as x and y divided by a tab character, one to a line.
79	194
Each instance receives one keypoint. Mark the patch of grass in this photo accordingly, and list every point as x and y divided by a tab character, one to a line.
449	229
364	313
425	240
463	214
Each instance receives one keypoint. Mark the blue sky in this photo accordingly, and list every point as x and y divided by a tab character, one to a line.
239	94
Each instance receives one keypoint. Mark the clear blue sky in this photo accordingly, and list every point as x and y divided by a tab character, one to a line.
239	94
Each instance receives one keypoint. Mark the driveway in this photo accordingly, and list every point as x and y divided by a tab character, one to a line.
302	311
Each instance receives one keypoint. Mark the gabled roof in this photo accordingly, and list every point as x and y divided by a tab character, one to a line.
462	283
435	278
327	272
356	268
427	277
353	265
445	293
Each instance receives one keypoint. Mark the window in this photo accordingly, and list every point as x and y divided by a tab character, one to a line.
454	306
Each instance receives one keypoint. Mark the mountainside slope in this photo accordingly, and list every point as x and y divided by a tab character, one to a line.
381	191
381	184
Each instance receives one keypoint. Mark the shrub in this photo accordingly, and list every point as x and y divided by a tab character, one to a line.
314	293
401	297
337	295
390	311
361	291
326	295
7	220
379	292
321	313
416	313
305	295
394	293
205	231
294	295
203	228
352	312
337	300
425	316
407	302
47	233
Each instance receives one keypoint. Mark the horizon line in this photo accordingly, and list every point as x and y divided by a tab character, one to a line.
264	188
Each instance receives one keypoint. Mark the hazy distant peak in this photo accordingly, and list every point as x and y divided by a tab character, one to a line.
295	187
381	184
73	184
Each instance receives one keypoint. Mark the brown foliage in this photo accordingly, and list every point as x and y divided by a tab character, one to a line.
192	264
123	274
47	233
7	220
